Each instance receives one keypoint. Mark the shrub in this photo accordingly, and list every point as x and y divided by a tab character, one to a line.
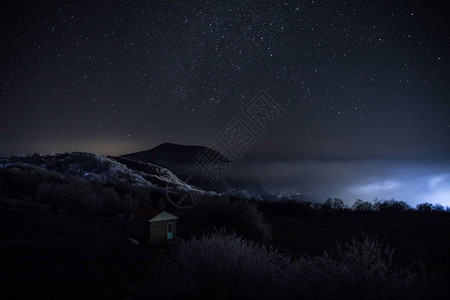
73	197
17	183
111	203
22	181
77	197
361	269
220	266
225	266
23	205
236	215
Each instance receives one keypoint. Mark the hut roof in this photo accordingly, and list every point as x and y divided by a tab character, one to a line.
163	216
153	214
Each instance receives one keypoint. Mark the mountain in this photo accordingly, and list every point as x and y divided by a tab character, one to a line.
180	160
96	168
168	154
87	184
122	171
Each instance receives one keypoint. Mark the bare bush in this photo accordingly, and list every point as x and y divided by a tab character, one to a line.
361	269
221	265
226	266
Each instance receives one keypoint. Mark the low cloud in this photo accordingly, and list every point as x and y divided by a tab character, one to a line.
410	181
375	187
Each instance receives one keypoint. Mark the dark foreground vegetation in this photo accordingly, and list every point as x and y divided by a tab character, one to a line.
69	238
56	255
225	266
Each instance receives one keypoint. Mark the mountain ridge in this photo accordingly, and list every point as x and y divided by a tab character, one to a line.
170	152
180	159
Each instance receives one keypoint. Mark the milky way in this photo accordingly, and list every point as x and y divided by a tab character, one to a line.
356	79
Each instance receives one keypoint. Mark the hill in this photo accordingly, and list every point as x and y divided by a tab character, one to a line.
168	154
180	160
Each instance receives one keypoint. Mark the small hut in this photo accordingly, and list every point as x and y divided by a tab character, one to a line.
163	225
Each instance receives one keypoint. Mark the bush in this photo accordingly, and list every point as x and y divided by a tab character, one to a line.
225	266
111	202
18	183
22	181
238	215
361	269
77	197
219	266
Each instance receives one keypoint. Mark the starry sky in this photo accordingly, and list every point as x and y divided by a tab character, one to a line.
357	79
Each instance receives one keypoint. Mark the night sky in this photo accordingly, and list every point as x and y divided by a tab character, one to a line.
357	80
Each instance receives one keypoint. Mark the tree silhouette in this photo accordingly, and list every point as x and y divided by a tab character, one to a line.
336	204
424	207
362	205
